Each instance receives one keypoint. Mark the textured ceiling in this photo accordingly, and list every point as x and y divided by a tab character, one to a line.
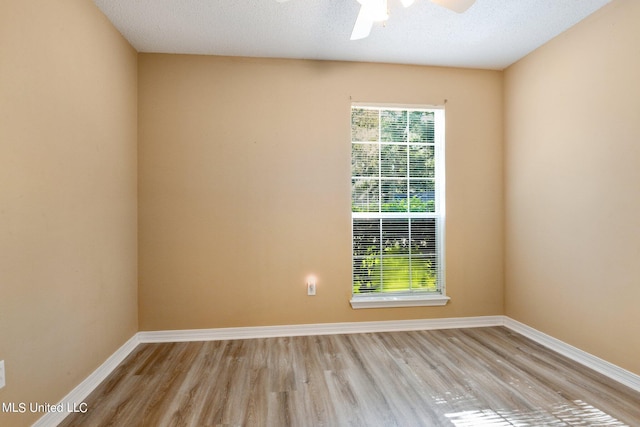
492	34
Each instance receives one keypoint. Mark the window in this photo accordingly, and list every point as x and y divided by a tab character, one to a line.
397	206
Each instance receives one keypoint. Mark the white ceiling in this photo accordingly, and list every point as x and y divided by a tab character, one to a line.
492	34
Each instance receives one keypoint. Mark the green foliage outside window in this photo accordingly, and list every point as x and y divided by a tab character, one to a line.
399	269
414	204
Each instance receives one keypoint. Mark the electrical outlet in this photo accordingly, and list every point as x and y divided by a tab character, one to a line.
311	288
2	381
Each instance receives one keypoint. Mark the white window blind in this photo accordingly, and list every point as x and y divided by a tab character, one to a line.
397	199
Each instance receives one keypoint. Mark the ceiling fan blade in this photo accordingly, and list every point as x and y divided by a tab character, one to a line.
455	5
363	24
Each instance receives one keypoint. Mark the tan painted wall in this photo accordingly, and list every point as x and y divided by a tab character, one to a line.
244	188
68	266
572	177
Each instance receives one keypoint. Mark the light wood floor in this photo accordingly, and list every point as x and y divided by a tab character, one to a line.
459	377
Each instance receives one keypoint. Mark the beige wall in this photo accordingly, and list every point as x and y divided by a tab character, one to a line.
68	271
244	188
572	179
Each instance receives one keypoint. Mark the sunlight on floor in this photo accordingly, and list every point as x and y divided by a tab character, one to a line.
582	414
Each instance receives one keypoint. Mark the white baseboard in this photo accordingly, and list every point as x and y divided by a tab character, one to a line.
75	398
610	370
317	329
78	394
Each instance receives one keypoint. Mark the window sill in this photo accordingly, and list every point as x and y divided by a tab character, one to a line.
387	301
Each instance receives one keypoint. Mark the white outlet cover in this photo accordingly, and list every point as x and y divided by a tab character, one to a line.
2	380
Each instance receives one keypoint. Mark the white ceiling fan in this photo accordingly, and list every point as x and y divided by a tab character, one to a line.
372	11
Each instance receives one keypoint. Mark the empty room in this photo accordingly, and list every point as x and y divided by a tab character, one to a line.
319	213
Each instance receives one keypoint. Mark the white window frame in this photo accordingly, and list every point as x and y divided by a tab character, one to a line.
412	298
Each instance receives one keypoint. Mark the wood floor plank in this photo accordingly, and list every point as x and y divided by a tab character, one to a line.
458	377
